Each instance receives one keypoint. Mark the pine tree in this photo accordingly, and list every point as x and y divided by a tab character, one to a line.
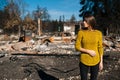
107	13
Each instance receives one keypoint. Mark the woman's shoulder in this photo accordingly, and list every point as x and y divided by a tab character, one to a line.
98	31
80	31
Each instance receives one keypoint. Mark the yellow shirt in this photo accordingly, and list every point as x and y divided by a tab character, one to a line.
91	40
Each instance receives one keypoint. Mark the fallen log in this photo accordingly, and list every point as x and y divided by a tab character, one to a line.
23	52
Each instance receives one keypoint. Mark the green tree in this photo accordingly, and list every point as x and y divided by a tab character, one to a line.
94	7
107	12
73	19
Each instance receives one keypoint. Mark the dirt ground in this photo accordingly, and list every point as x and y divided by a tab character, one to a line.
53	67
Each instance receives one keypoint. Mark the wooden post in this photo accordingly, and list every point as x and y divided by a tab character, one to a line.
39	27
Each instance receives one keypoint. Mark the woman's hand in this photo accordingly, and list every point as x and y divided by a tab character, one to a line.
101	66
91	52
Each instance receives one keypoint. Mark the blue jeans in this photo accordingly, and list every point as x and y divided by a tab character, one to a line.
84	69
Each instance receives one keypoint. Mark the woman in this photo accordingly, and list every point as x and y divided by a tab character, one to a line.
89	43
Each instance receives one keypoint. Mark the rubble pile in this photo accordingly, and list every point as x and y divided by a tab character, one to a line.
62	67
37	47
56	49
111	44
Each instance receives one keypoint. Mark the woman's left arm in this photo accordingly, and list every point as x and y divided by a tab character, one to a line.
101	64
100	50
